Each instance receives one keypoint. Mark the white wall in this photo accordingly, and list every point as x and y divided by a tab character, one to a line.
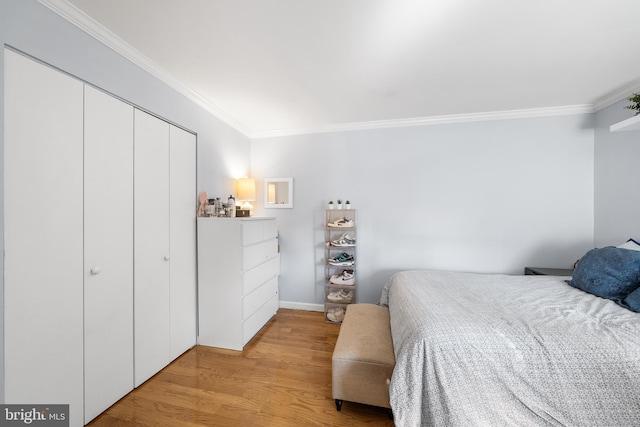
617	174
491	196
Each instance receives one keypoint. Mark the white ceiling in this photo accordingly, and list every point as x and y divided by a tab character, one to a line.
292	66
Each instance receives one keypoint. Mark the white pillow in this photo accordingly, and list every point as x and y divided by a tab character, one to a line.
630	244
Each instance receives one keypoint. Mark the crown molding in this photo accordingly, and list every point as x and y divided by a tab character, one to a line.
435	120
620	94
87	24
92	27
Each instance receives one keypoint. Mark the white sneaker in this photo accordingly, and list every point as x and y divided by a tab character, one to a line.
335	314
347	277
341	222
342	296
344	240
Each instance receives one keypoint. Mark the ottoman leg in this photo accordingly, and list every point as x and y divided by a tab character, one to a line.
338	404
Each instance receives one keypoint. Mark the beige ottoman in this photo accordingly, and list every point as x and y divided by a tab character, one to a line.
363	358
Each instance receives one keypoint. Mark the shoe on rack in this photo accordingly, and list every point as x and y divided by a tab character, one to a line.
344	259
344	240
342	296
335	314
342	263
347	277
341	222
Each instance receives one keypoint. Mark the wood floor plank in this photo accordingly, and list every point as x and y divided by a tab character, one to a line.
281	378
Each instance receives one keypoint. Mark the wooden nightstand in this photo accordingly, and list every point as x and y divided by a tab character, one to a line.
537	271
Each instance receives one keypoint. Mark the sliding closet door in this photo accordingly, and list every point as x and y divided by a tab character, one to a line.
151	246
183	241
108	243
43	314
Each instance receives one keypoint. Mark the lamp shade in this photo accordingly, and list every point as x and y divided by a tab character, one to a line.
246	189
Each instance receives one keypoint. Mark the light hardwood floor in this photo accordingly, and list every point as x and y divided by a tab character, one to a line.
282	378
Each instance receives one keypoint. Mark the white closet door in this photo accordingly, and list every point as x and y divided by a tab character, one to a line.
183	241
152	328
43	316
108	244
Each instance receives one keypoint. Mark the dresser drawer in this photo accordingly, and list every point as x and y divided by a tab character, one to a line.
254	231
270	229
258	275
256	299
258	319
258	253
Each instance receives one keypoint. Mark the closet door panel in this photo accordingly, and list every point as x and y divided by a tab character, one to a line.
43	315
108	244
183	240
152	330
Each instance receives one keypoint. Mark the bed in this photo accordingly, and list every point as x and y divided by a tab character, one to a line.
500	350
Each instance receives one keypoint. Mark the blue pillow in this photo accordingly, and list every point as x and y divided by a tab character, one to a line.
632	301
610	272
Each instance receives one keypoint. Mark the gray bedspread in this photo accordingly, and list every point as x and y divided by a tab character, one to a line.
498	350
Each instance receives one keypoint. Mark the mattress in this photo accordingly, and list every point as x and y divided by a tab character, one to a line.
499	350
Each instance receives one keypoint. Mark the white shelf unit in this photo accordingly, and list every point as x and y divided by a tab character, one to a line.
334	309
626	125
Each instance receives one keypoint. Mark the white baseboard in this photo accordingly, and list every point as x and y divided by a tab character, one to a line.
301	306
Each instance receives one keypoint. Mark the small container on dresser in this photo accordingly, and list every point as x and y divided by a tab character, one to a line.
238	268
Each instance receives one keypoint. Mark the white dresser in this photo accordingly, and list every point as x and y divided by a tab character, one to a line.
238	268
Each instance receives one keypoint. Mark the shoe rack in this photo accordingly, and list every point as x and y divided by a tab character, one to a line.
340	242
